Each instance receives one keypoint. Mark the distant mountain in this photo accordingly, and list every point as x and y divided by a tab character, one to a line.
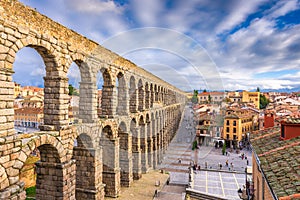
286	90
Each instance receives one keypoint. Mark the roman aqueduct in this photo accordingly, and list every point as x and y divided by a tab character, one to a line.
140	114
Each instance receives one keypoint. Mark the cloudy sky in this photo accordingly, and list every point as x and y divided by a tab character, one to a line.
193	44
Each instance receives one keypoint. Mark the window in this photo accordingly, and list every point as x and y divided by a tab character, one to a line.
234	130
227	136
227	122
282	131
227	129
234	123
234	137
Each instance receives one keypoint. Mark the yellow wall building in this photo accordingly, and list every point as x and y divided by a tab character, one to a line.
17	89
237	123
251	97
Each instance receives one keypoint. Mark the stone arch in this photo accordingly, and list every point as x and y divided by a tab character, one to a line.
107	94
36	142
125	155
144	145
87	91
141	95
51	61
147	96
52	170
85	155
122	101
154	140
156	93
110	160
149	139
136	151
52	175
132	95
152	95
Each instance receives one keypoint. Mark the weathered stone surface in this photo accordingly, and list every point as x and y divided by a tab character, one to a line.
92	169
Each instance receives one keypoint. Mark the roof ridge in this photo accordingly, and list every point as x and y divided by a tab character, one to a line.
266	135
280	148
290	197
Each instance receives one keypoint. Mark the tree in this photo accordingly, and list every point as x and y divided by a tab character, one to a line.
204	90
209	98
224	148
195	97
257	89
71	89
194	145
263	101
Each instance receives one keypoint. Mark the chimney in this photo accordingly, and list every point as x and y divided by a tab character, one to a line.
269	119
290	128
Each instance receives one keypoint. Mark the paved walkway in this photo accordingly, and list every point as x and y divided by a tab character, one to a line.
224	182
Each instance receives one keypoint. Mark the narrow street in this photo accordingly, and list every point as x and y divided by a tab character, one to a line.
179	156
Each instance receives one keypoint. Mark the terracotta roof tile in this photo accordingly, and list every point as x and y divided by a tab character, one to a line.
279	160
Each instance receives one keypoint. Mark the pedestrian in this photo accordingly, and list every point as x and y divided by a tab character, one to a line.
199	168
179	160
247	162
226	153
226	163
205	165
220	166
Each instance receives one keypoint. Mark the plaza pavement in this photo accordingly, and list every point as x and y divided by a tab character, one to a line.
223	182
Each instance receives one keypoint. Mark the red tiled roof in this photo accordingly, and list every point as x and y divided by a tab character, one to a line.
28	110
279	160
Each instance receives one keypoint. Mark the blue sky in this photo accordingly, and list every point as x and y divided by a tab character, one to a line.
193	44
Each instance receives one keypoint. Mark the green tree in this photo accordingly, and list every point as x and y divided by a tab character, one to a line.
224	148
71	89
204	90
263	101
194	145
195	97
257	89
209	98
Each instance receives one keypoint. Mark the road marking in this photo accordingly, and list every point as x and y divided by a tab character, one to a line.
222	183
236	181
206	189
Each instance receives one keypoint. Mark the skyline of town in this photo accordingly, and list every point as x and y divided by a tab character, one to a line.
244	45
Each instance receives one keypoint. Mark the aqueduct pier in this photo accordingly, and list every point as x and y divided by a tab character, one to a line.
140	114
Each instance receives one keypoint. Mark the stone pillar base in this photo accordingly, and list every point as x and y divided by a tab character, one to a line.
97	194
111	179
126	179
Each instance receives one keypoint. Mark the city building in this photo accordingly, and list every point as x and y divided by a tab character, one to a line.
17	89
211	97
235	97
276	161
251	97
238	123
28	117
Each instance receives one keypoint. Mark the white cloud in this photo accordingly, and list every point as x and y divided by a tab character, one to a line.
283	7
38	72
93	6
238	13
